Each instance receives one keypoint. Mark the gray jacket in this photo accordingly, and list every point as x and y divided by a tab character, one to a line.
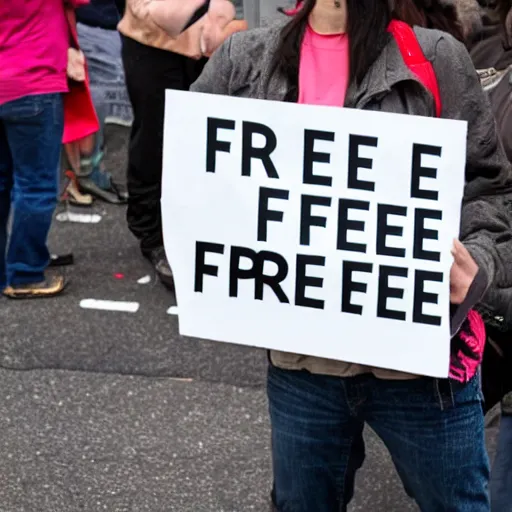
242	66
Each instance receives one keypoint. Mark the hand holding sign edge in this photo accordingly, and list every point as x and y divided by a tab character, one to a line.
462	274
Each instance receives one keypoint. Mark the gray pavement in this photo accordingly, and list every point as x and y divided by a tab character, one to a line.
103	411
74	441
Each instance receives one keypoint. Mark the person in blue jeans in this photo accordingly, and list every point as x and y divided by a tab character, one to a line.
30	137
501	481
340	53
34	42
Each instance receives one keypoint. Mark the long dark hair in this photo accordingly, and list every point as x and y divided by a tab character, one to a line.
430	14
367	21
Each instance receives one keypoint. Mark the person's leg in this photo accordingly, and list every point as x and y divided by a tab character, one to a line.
70	162
501	481
5	200
101	49
149	72
434	430
33	126
316	441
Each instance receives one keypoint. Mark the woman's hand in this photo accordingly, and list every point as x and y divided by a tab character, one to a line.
462	274
221	13
76	65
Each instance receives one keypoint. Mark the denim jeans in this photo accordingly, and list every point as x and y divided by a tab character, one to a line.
501	481
102	49
433	429
30	142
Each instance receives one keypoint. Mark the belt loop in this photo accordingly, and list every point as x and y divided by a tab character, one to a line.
452	398
438	393
444	391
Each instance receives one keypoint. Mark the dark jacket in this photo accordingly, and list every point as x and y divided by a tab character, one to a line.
243	67
100	13
492	48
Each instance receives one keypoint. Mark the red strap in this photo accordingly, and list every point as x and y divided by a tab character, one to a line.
415	59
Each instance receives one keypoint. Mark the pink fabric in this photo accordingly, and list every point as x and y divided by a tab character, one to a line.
34	39
324	69
468	348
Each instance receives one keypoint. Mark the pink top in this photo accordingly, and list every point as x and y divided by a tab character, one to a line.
324	69
34	39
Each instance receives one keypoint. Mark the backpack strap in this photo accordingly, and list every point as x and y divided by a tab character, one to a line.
415	59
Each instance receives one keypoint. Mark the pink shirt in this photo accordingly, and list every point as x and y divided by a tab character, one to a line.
324	69
34	39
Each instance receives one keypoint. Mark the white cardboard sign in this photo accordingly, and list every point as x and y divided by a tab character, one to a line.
313	230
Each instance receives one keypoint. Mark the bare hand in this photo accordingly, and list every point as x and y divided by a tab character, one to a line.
462	274
221	13
76	65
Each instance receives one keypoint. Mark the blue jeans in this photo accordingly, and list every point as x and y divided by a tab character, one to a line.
433	429
501	482
102	49
30	142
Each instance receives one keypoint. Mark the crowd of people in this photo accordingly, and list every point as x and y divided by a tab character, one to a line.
61	60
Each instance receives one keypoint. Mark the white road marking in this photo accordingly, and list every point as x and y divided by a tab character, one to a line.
144	280
173	310
110	305
80	218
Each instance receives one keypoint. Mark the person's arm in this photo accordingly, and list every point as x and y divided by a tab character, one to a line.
198	14
486	226
170	15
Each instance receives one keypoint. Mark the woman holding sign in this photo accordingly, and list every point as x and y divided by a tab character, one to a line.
341	53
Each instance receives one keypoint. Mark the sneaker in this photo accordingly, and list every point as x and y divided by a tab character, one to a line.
50	287
161	265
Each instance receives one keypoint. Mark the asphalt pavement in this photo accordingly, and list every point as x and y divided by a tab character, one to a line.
114	411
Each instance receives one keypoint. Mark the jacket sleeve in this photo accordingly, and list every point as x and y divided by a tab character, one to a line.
485	225
216	75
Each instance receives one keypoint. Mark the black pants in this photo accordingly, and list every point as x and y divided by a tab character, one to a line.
149	72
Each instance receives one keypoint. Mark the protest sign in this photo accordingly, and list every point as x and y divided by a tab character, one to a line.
313	230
